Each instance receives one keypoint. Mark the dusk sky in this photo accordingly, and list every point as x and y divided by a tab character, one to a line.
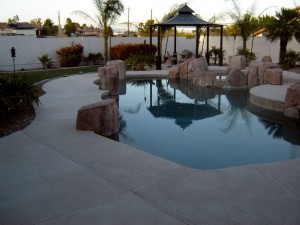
140	10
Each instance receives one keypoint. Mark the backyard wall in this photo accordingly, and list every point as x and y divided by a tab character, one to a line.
28	48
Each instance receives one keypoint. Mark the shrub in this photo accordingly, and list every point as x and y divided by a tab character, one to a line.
138	62
124	51
215	53
93	58
250	56
70	56
46	61
291	57
15	93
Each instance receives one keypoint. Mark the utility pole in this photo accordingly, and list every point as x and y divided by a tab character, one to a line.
59	27
128	23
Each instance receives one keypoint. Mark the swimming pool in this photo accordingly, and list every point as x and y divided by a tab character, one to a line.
200	127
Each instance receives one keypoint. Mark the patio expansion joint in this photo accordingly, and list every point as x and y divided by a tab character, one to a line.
270	176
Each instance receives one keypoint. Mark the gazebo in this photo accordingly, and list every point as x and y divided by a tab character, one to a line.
186	18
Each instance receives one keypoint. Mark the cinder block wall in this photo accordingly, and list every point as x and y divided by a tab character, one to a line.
28	48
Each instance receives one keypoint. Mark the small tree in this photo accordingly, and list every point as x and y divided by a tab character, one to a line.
70	27
245	23
49	28
283	26
107	13
45	60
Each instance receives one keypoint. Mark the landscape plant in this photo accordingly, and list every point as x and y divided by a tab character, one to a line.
291	57
216	53
283	27
94	58
107	13
139	61
124	51
71	55
250	56
17	93
45	60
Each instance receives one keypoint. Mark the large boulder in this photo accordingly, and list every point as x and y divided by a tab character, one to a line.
273	76
236	78
101	117
292	102
183	71
257	70
253	74
107	71
238	62
292	97
174	72
206	79
203	63
266	58
121	67
195	67
262	69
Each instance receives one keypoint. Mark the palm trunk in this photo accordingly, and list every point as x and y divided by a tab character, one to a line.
105	37
282	51
244	44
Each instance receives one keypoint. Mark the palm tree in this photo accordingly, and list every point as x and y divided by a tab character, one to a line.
245	23
107	13
283	27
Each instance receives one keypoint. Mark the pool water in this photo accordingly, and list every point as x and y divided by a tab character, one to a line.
200	127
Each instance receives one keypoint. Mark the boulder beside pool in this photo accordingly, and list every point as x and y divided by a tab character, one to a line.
101	117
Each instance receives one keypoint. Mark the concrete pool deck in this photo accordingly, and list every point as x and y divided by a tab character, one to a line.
50	173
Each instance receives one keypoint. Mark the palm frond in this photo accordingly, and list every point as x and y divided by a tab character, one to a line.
84	15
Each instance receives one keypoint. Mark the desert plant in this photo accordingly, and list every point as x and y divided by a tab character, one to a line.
45	60
107	13
70	56
124	51
291	57
93	58
216	53
139	61
283	27
250	56
15	93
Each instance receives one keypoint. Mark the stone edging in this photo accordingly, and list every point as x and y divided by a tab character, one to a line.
269	104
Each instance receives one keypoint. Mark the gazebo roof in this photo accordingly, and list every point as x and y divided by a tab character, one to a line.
185	17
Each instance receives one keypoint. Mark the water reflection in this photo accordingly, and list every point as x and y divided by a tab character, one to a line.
182	113
237	109
200	127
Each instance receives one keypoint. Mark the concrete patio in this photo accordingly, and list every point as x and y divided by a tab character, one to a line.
50	173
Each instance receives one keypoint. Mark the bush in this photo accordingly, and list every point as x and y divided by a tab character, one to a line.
15	93
291	57
70	56
93	58
250	56
124	51
215	53
138	62
46	61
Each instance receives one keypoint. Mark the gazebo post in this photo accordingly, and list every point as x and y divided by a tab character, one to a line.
197	42
158	56
207	46
221	48
174	59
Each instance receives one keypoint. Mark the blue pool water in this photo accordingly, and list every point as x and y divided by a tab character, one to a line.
200	127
